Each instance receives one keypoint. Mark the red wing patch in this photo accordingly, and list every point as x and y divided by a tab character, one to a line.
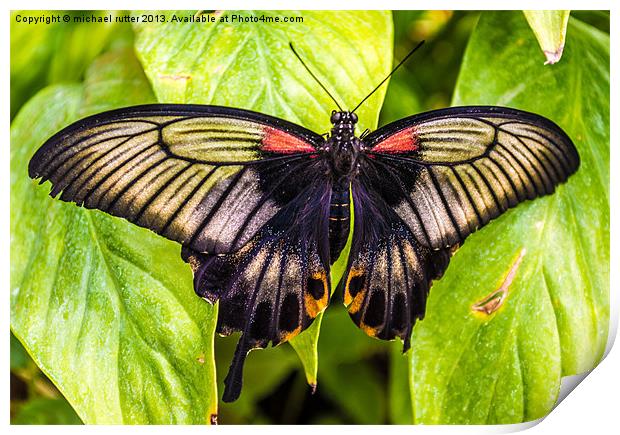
402	142
278	141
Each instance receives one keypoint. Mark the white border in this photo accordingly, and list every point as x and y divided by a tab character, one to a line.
593	406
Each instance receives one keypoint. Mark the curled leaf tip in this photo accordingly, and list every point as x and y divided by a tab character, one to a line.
492	302
554	56
549	27
213	419
312	389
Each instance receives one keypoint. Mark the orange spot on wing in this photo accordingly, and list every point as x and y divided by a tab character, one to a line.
356	305
315	306
402	142
352	274
278	141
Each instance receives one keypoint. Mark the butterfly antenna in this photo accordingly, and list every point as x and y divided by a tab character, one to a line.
314	77
389	75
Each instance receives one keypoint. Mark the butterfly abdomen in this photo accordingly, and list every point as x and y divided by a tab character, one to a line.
339	217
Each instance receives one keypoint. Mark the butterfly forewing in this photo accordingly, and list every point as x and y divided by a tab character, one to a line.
204	176
452	171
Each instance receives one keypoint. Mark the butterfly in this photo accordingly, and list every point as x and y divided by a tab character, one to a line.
262	207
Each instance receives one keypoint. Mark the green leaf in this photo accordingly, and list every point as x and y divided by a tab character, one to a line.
251	66
550	30
306	344
469	367
43	54
46	411
398	388
106	309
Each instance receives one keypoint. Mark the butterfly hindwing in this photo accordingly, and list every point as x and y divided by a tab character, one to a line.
208	177
449	172
389	272
274	287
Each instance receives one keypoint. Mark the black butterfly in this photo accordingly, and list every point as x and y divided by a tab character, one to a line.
261	205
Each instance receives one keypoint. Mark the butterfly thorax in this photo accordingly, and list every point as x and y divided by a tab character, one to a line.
342	144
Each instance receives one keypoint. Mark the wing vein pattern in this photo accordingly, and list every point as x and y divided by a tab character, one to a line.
204	176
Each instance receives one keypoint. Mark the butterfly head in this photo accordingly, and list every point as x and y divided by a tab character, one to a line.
342	144
343	117
343	127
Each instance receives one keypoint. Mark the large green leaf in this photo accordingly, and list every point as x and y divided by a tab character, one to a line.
106	309
47	53
471	367
251	66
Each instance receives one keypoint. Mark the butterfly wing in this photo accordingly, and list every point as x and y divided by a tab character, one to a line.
451	171
274	287
205	176
232	187
389	272
434	179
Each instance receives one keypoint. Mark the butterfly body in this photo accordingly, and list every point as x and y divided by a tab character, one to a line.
343	146
262	206
339	218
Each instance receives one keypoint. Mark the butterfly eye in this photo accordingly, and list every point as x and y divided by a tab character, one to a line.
353	117
336	116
